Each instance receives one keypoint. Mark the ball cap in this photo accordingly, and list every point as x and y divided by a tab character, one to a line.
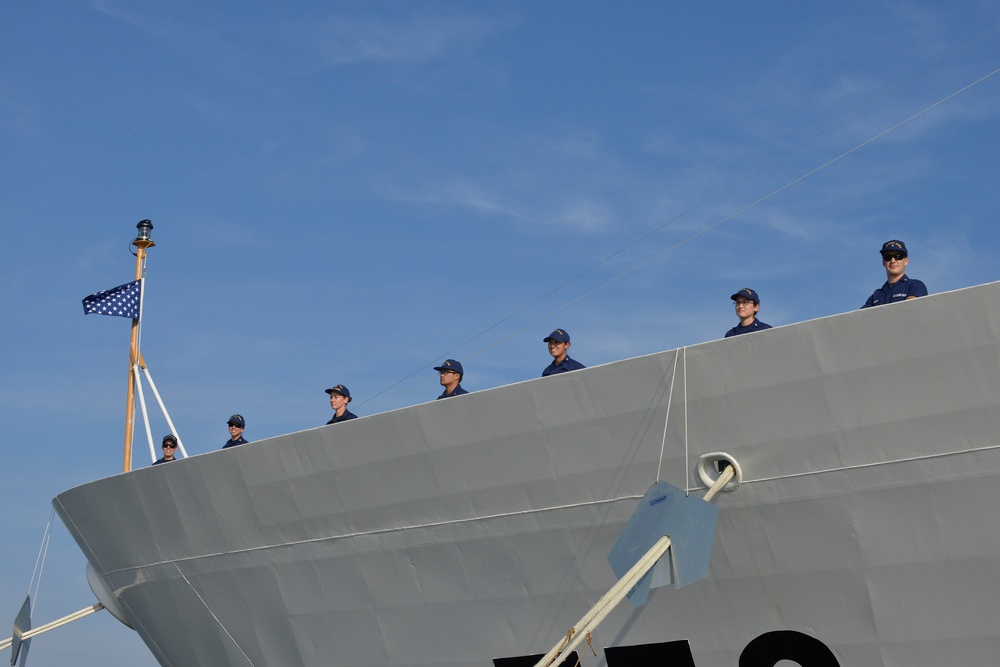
747	293
340	389
237	420
894	246
451	365
559	336
169	437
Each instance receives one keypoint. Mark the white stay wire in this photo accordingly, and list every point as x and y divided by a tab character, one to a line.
36	575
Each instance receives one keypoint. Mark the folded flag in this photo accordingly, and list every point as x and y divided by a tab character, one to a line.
121	301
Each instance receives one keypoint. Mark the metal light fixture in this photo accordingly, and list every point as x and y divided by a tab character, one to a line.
144	227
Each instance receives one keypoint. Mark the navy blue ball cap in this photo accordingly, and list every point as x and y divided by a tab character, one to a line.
170	437
451	365
559	336
747	293
894	246
340	389
237	420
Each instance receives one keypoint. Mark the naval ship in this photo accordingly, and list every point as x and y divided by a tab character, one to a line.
858	528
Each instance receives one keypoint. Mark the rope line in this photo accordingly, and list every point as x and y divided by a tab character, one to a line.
707	229
36	573
687	466
666	421
606	604
218	620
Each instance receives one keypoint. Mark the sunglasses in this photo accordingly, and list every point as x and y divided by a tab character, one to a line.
899	257
169	446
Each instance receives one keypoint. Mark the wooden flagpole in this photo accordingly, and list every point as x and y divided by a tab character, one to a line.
141	243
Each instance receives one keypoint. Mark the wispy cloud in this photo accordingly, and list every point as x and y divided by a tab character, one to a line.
587	215
461	194
576	212
185	34
347	40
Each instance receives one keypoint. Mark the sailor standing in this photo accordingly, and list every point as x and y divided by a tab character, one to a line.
340	396
169	449
898	286
559	344
236	425
747	304
451	378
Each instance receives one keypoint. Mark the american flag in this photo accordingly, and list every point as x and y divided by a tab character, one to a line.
121	301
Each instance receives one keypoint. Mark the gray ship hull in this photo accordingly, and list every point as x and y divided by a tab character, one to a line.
473	529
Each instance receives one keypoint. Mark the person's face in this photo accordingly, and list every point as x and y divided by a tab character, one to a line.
557	349
169	449
337	401
745	308
895	264
235	431
449	378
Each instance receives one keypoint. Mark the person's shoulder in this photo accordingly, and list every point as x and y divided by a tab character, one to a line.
459	390
566	365
757	324
739	329
915	287
876	297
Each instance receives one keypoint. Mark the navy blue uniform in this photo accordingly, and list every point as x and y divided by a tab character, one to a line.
233	443
564	366
756	325
458	391
163	460
342	418
898	291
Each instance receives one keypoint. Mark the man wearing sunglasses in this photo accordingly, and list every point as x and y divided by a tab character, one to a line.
236	425
898	286
169	449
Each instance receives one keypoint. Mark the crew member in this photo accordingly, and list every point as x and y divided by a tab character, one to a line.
169	449
451	378
747	304
236	425
340	396
559	344
898	286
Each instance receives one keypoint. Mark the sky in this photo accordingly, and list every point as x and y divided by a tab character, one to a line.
351	192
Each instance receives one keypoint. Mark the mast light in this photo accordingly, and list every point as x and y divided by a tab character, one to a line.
144	227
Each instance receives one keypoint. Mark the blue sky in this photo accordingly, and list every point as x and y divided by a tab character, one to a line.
349	192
